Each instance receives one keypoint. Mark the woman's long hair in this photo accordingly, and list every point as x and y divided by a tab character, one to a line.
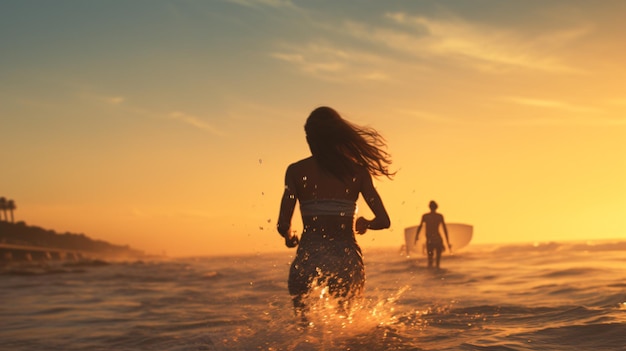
340	146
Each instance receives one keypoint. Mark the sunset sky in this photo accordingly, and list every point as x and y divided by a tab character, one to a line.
168	125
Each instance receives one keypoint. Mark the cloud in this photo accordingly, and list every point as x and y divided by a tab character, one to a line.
551	104
461	42
427	116
195	122
188	119
361	51
326	61
311	63
115	100
565	113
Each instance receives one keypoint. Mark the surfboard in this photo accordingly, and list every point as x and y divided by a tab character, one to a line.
459	234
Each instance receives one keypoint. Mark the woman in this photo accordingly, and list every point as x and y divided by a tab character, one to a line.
327	186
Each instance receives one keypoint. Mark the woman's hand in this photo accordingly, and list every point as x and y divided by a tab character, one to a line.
361	225
291	241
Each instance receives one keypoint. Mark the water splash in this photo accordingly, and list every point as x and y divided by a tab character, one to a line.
334	324
365	322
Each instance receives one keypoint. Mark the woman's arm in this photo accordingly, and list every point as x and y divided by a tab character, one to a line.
287	206
372	198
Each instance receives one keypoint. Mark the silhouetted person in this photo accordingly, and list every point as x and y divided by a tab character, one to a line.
434	243
327	185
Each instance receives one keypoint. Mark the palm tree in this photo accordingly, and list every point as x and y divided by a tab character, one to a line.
3	206
11	206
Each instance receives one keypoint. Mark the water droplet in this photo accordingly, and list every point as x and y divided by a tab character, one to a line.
292	196
304	178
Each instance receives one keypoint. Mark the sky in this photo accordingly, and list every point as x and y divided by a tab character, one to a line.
168	125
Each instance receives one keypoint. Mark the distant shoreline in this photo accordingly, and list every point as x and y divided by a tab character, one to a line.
21	242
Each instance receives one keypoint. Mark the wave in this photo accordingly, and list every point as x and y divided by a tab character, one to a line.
603	336
552	246
570	272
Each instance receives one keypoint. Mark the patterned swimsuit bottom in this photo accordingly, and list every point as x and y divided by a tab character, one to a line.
329	257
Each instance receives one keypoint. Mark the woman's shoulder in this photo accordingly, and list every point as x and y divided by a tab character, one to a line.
305	162
301	165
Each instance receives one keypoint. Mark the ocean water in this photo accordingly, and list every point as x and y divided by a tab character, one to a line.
553	296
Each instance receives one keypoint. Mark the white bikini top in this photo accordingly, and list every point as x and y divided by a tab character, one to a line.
327	207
